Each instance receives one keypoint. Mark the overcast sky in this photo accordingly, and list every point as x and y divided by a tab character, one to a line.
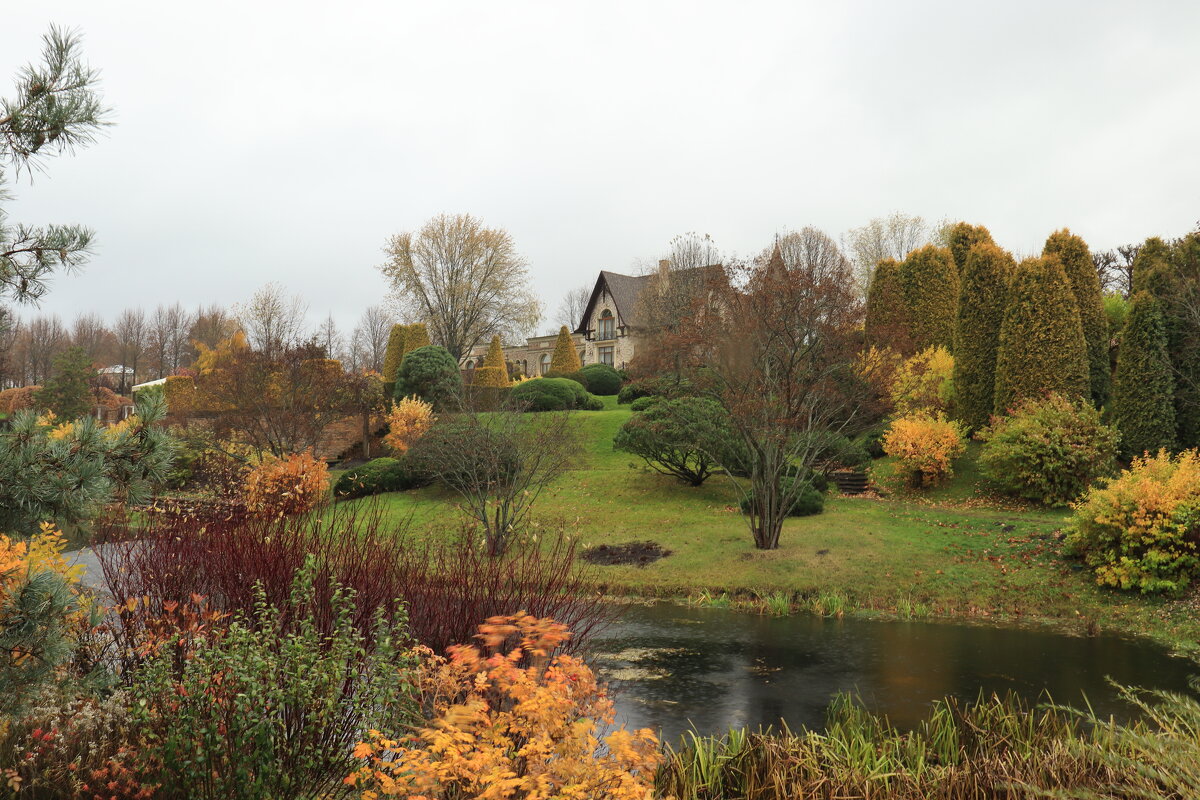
287	141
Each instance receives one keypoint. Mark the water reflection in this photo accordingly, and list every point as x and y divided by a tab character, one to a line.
672	667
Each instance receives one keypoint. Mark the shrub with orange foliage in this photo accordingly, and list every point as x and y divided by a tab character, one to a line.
408	421
925	446
511	720
21	397
281	486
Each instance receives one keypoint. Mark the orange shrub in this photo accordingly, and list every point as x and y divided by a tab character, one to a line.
408	421
21	397
281	486
925	447
511	720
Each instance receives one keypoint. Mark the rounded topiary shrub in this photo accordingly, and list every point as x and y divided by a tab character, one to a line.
668	386
431	374
554	394
601	379
809	501
643	403
1048	450
378	476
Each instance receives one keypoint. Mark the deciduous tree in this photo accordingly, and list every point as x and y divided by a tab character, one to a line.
891	237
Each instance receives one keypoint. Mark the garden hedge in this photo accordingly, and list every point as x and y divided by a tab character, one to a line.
378	476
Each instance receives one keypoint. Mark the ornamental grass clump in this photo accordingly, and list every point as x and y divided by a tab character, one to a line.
509	717
1048	450
925	447
1141	530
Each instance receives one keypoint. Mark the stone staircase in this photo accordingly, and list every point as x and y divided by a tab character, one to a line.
850	481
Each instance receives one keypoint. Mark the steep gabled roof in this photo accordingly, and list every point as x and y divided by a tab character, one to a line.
625	291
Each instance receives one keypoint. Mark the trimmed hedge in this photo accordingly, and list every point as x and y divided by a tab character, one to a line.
601	379
554	394
378	476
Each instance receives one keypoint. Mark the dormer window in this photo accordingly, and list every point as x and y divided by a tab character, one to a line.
607	323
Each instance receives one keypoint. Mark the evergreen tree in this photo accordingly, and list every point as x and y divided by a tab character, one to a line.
1073	252
68	393
395	352
1143	406
566	357
961	237
418	336
981	305
929	282
1042	348
494	372
887	320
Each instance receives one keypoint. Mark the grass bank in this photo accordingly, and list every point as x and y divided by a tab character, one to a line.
953	553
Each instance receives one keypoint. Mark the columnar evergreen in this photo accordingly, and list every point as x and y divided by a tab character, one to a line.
1042	348
981	305
929	282
1143	392
1073	252
395	352
961	238
566	357
494	372
416	336
887	320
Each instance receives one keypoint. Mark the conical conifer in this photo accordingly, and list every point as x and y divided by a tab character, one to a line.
395	352
566	357
929	282
1143	392
1073	252
981	305
417	336
494	371
1042	348
887	320
961	238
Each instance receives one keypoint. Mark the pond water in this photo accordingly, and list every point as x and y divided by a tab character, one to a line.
672	667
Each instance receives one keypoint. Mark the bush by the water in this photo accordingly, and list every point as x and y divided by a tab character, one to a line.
686	437
601	379
925	447
808	498
1048	450
554	394
378	476
1141	530
431	374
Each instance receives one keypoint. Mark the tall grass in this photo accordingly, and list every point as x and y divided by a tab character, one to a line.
988	750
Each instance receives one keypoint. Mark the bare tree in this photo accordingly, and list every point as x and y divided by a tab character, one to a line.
212	325
170	343
498	464
570	310
773	346
89	333
368	344
1115	268
132	342
812	251
272	321
329	338
43	339
893	236
467	282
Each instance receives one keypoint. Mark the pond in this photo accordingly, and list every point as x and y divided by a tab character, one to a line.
672	667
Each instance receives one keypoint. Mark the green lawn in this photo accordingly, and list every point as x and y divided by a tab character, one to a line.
957	551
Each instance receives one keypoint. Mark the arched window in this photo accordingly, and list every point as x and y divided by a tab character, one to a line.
606	325
545	363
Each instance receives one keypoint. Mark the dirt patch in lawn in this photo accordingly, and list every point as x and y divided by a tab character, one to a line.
637	553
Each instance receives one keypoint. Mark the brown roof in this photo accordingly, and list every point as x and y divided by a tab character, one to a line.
625	290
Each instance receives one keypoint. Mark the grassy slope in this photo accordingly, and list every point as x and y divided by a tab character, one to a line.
952	549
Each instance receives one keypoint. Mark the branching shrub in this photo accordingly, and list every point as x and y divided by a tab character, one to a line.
1049	450
925	447
407	422
282	486
511	719
378	476
1141	530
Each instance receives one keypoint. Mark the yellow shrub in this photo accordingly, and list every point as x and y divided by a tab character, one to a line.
925	446
408	421
511	720
923	382
281	486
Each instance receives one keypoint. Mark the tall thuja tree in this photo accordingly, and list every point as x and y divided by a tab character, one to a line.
1143	405
1077	262
1042	349
55	109
396	348
887	318
981	306
68	393
929	282
961	237
1172	274
566	357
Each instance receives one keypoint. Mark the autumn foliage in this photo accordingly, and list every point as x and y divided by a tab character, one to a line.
290	485
407	422
925	447
509	719
923	382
